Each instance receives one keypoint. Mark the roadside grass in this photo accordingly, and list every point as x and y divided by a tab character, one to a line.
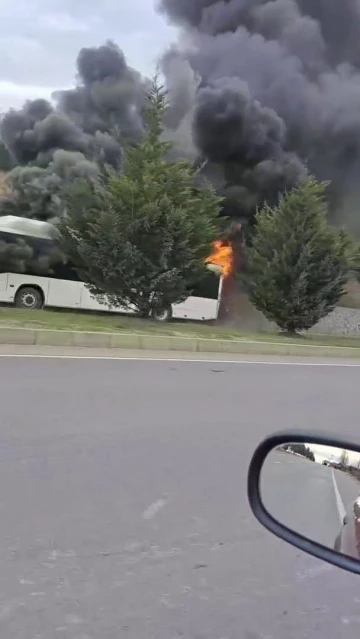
114	323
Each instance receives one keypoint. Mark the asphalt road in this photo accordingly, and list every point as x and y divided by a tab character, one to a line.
301	495
123	505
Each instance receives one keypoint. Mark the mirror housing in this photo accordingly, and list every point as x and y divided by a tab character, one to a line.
311	547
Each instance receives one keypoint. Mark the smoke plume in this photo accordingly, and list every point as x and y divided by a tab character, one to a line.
261	92
278	94
53	145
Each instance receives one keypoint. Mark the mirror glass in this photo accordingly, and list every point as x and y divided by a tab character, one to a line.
315	491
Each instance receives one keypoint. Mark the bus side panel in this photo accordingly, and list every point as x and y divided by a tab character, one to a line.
63	293
5	292
201	308
90	303
197	309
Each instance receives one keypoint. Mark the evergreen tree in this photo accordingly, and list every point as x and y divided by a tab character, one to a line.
140	238
296	265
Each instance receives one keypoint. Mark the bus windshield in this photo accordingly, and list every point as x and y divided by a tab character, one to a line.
208	287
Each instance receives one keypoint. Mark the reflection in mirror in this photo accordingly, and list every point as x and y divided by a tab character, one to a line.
315	491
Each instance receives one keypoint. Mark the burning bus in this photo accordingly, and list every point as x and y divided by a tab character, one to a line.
64	289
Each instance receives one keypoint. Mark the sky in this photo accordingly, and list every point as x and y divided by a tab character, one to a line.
40	39
332	454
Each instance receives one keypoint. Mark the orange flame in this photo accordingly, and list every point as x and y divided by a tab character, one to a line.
222	255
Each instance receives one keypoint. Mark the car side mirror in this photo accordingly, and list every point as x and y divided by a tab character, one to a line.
309	504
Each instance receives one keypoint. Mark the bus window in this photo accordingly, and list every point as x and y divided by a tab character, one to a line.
46	260
208	287
65	271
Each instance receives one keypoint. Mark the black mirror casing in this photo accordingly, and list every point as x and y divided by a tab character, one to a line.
268	521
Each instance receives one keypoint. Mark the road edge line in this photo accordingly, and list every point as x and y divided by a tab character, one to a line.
339	502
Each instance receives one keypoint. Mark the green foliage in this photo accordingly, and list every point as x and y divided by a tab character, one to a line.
296	265
139	238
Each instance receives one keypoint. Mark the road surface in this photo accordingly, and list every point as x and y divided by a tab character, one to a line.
123	505
301	495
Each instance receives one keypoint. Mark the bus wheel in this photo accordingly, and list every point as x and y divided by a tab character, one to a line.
161	314
28	297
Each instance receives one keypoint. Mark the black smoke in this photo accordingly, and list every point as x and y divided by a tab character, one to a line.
52	145
277	95
261	91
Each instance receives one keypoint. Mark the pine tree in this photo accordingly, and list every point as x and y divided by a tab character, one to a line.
140	238
297	265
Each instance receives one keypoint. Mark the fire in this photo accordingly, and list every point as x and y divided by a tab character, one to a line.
222	255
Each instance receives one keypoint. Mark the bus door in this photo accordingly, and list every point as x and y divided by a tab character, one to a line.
3	283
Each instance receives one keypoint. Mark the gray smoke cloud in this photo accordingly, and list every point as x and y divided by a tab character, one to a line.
52	145
278	94
261	92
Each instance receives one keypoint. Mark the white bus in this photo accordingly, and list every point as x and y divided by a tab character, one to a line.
63	289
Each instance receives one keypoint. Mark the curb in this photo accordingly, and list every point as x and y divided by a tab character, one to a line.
134	341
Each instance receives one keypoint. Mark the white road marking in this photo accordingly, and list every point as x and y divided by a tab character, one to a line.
187	360
154	508
339	501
